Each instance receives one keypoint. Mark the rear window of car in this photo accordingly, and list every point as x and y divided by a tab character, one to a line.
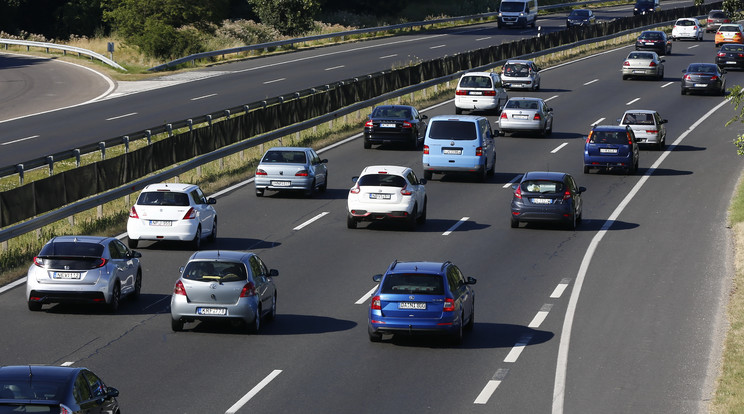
638	119
285	157
732	48
454	130
651	36
728	28
717	15
579	13
608	137
684	23
475	81
36	390
523	104
72	249
412	283
702	68
542	186
641	55
163	198
216	271
382	180
516	69
12	408
388	112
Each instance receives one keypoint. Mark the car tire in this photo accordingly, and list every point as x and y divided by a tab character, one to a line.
492	171
136	293
113	304
661	145
572	221
458	335
196	241
586	169
428	175
482	174
683	91
411	219
661	75
324	187
374	336
213	234
272	315
458	111
471	321
367	144
310	191
176	325
625	77
259	192
34	306
351	222
422	218
255	326
132	243
514	223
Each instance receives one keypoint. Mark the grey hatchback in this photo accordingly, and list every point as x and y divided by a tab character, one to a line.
547	196
224	285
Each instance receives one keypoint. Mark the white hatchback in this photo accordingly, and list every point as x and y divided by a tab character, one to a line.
178	212
687	28
383	192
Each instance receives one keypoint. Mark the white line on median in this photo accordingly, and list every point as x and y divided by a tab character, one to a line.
252	393
310	221
366	296
598	121
121	116
19	140
633	101
591	81
558	148
451	229
204	97
518	348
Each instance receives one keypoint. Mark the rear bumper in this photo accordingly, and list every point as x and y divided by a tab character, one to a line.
181	230
303	183
61	296
182	309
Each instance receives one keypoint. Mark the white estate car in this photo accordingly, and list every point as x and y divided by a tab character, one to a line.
383	192
480	91
172	212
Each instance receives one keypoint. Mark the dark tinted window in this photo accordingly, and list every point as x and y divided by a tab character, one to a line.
72	249
728	28
522	104
206	271
638	119
414	283
97	387
28	408
81	392
684	23
717	15
729	47
289	157
651	36
454	130
36	390
702	68
609	137
542	186
163	198
382	180
391	112
476	81
579	13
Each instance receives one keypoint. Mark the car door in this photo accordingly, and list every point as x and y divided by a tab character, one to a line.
263	287
128	265
489	146
319	168
575	194
660	127
102	402
499	89
419	190
459	290
206	211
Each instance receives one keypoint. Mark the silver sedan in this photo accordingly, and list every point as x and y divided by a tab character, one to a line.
291	169
643	64
526	114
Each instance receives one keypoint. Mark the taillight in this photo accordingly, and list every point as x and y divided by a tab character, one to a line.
179	289
721	54
449	305
248	290
260	172
687	77
489	93
740	55
301	173
63	409
518	192
589	137
38	261
354	190
714	77
369	124
461	92
652	64
503	115
479	152
133	213
566	195
626	63
375	303
426	149
405	191
536	117
407	124
101	262
652	131
630	139
190	215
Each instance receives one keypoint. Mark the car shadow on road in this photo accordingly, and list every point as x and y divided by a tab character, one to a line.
147	304
682	148
664	172
222	243
284	324
586	224
485	335
431	226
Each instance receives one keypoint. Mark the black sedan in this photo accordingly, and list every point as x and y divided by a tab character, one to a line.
54	389
580	17
547	196
395	124
730	55
703	77
655	40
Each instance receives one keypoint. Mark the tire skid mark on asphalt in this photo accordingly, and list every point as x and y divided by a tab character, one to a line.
252	393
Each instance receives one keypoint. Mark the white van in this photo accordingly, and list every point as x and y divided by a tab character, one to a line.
517	13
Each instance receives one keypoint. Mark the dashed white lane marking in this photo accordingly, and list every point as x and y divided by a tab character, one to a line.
482	38
310	221
204	97
275	80
598	121
491	386
437	47
693	46
121	116
335	67
456	225
252	393
540	316
514	180
68	363
633	101
389	56
19	140
366	296
518	348
667	84
558	148
552	97
591	81
560	289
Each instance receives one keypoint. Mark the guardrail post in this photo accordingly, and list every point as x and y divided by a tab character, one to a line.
227	114
76	153
169	128
50	163
19	169
209	120
246	108
102	147
190	123
125	140
99	211
148	133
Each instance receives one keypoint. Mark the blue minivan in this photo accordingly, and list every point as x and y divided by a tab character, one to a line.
459	143
611	147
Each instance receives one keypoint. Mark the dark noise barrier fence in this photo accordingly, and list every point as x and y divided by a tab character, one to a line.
58	190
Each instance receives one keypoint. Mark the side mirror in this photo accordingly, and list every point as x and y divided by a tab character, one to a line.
582	189
354	179
112	392
619	121
514	186
377	278
424	117
180	269
135	254
549	109
471	281
664	121
422	181
324	161
211	200
273	272
662	60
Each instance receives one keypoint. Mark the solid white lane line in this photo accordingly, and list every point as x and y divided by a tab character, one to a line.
514	180
558	148
11	285
203	97
366	296
456	225
68	363
335	67
591	81
667	84
19	140
121	116
437	47
518	348
633	101
598	121
560	288
552	97
540	316
559	387
482	38
310	221
252	393
491	386
275	80
388	56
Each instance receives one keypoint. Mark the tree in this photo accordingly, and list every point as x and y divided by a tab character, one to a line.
288	17
736	94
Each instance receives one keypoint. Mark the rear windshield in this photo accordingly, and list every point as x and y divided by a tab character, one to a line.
609	137
651	36
702	68
732	48
14	408
516	69
684	23
74	249
523	104
414	283
391	112
728	28
579	13
641	55
36	390
717	15
288	157
638	119
382	180
215	271
542	186
475	81
454	130
163	198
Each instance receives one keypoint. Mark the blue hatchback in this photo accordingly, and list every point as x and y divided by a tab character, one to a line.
422	297
611	146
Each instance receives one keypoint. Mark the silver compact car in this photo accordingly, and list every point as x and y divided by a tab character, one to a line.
643	65
520	74
526	114
291	169
224	285
647	125
83	269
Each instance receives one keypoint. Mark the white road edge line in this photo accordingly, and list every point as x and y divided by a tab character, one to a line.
310	221
204	97
12	285
558	148
516	351
491	386
275	80
552	97
252	393
482	38
388	56
598	121
335	67
456	225
436	47
20	140
366	296
121	116
559	387
514	180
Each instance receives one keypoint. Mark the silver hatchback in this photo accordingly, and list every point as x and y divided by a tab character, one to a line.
520	74
526	114
291	169
647	125
224	285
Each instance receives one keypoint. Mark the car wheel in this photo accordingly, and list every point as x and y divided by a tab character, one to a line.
213	234
272	315
137	286
457	336
176	325
309	192
351	222
374	336
367	144
471	321
580	217
255	327
422	218
492	171
458	111
514	223
259	192
132	243
661	75
660	146
683	91
482	174
34	306
324	187
428	175
113	304
411	219
586	169
196	241
572	221
625	77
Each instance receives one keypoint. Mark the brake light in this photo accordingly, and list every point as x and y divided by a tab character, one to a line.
375	303
405	191
687	77
652	131
518	192
589	137
63	409
260	172
179	289
133	213
626	63
721	54
354	190
479	152
369	124
536	117
461	92
426	149
489	93
301	173
449	305
101	262
190	215
567	195
407	124
652	64
503	115
38	261
248	290
714	77
630	139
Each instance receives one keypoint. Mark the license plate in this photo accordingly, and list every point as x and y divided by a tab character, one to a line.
380	196
475	93
387	125
452	151
608	150
730	62
165	223
520	116
412	305
280	183
66	275
701	85
542	201
649	43
211	311
639	71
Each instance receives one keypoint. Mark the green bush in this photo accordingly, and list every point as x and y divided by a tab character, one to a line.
289	17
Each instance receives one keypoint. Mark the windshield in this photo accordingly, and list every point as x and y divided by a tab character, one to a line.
512	6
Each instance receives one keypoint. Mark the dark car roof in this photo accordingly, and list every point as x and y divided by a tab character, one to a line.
38	372
544	175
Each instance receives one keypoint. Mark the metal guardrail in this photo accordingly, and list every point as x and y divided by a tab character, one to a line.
64	48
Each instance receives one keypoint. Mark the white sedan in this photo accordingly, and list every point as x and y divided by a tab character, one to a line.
643	64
